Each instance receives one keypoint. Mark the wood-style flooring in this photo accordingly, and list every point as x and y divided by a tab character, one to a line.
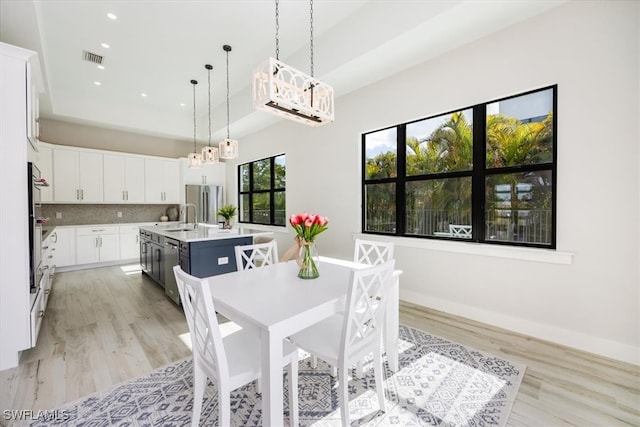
108	325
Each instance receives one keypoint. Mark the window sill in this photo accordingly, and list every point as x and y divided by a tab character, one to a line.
511	252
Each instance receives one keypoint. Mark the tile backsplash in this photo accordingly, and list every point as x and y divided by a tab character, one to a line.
74	214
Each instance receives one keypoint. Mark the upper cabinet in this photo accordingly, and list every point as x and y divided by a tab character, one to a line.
204	175
33	108
77	176
123	179
162	180
45	163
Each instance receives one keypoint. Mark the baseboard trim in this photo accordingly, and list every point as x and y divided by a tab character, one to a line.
580	341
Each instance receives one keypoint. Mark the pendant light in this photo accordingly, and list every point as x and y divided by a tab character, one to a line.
209	153
228	147
195	158
286	92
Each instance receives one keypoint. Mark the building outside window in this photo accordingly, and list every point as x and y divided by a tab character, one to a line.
261	195
484	174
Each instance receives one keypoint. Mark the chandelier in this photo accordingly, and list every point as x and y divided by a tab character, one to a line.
228	147
194	159
209	153
287	92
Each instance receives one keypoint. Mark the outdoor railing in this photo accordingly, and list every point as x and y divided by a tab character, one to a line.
530	226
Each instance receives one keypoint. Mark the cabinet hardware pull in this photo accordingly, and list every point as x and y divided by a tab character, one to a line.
44	248
96	231
81	194
41	313
77	194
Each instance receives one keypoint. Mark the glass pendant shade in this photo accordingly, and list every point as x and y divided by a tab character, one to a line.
210	155
194	160
228	149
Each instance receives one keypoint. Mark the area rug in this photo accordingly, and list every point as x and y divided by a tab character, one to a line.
439	383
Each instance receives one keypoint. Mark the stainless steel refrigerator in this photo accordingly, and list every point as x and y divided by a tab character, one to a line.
207	199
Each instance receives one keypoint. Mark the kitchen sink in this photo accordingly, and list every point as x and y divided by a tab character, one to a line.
175	230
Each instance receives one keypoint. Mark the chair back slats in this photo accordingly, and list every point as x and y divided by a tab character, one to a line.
457	230
256	255
372	253
206	340
366	305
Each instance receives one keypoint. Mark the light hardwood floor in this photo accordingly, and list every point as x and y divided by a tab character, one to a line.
105	326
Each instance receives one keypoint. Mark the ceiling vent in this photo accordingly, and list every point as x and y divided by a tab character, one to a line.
92	57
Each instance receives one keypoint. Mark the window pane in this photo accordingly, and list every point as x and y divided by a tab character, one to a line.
519	207
380	201
280	210
440	144
520	130
244	177
435	205
381	152
280	172
244	207
262	175
261	208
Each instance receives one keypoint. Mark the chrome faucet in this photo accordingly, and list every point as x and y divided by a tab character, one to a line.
183	213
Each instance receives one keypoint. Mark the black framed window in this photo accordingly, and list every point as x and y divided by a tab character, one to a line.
485	174
261	191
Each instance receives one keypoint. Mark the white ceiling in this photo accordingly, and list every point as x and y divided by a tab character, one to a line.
157	47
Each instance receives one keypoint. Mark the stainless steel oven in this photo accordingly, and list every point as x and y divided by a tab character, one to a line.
35	225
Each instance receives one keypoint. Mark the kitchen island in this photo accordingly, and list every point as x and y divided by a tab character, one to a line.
202	251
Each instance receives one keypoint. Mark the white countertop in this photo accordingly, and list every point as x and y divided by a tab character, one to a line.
202	233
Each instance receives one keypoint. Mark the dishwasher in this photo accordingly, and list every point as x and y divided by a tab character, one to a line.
171	249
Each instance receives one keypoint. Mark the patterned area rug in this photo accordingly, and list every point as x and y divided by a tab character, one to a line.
439	383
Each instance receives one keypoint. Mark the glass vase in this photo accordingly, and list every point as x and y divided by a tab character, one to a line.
308	260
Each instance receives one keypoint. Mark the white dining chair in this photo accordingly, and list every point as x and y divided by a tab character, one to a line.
368	252
231	361
256	255
345	338
371	252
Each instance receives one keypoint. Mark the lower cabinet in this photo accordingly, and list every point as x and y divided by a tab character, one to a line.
65	246
97	244
129	241
210	257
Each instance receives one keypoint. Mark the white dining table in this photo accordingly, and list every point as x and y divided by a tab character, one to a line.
275	300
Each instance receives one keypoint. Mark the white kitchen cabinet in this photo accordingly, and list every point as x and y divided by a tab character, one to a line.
129	242
65	246
204	175
33	109
123	178
77	176
162	181
45	164
97	244
15	151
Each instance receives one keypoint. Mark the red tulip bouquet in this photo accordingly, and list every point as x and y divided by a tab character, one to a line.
307	227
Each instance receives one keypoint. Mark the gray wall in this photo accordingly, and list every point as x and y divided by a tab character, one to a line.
79	135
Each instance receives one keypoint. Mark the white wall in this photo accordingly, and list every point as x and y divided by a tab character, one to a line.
588	300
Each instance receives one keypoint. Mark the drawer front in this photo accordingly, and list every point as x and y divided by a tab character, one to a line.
96	230
37	315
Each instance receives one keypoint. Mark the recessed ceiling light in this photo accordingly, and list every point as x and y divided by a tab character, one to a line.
101	67
104	45
97	83
182	104
144	95
112	16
